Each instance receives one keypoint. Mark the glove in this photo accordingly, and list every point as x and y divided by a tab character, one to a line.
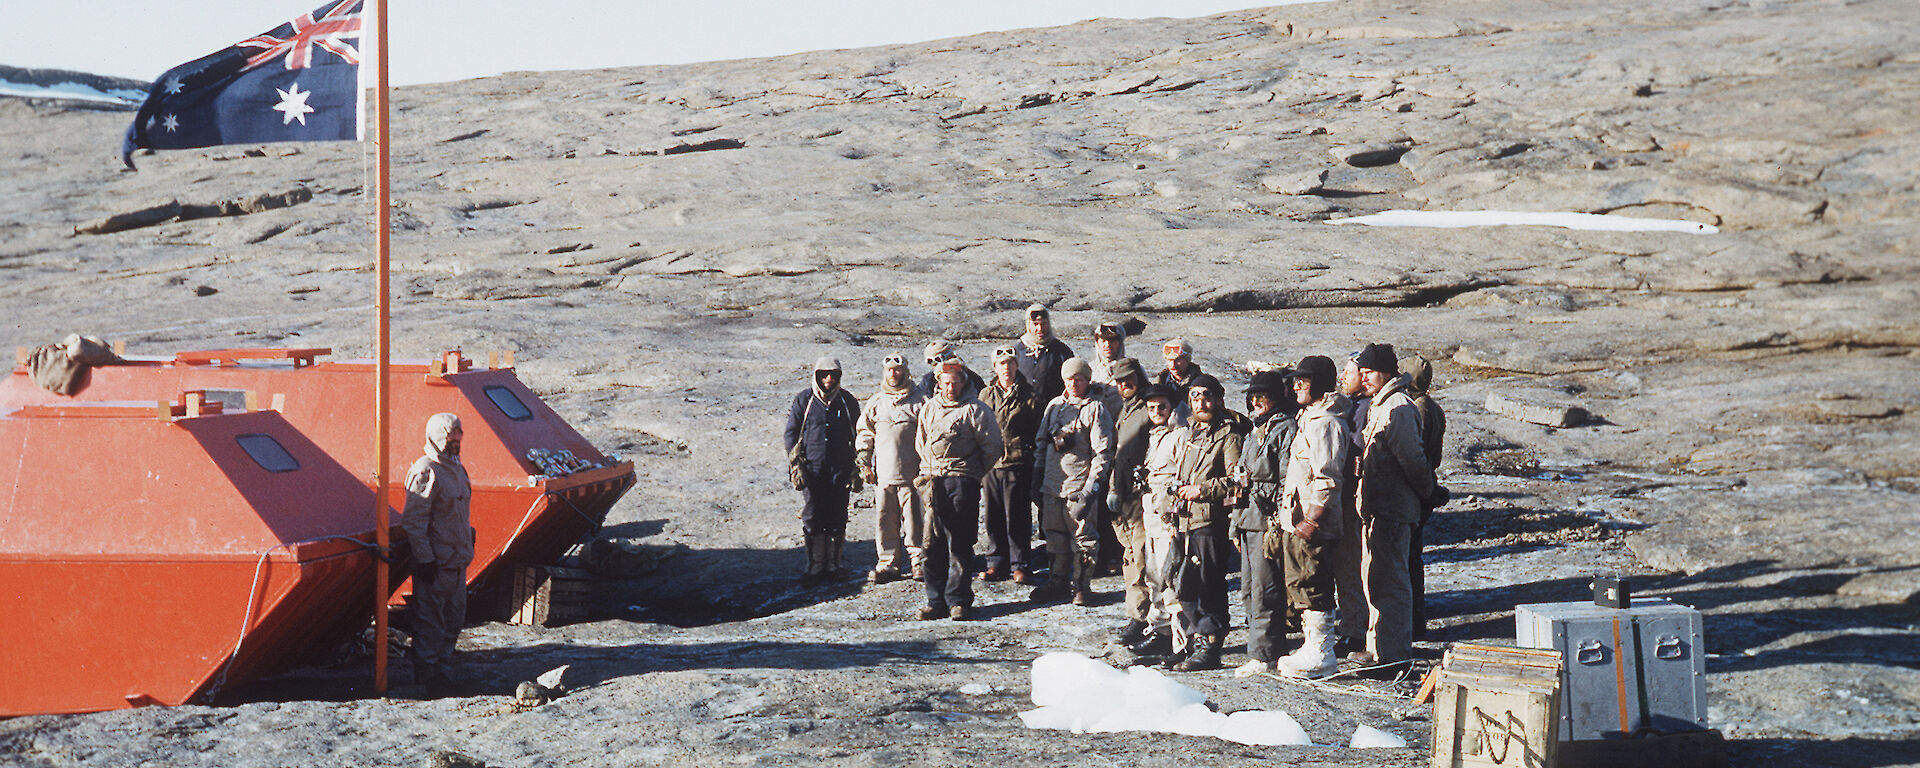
856	484
1113	500
1305	530
1080	504
1309	522
864	460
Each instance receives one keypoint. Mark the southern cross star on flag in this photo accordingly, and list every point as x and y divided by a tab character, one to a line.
298	82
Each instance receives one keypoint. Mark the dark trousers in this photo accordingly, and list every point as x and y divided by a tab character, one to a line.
1417	576
1009	496
1111	551
951	530
1263	584
825	511
1208	558
439	610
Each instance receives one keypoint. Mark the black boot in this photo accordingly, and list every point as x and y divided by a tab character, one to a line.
1051	591
835	542
1082	580
1131	634
816	561
1177	656
1207	656
1156	644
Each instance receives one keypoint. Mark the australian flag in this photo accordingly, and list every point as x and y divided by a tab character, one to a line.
298	82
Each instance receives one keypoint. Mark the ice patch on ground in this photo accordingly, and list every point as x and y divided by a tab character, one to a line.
1589	221
1082	695
1264	728
1374	738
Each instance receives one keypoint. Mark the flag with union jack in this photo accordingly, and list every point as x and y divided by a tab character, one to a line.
298	82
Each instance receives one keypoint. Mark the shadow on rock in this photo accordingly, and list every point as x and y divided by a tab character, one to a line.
597	665
1864	634
1817	753
701	587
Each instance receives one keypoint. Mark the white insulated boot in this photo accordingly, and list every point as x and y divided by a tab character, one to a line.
1314	658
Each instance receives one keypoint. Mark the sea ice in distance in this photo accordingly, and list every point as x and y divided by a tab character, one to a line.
1590	221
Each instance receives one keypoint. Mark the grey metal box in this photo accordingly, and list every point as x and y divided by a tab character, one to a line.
1626	670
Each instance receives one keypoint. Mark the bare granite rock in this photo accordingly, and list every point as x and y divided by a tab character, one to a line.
1537	412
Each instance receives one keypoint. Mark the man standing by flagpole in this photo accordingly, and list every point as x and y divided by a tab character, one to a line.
299	81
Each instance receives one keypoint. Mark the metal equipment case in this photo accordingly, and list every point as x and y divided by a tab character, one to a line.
1627	670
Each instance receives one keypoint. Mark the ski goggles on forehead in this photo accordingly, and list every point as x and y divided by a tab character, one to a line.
895	361
1005	353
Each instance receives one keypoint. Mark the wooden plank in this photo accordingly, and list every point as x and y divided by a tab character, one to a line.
207	356
547	596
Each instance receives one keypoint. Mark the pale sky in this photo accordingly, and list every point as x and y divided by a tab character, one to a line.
440	40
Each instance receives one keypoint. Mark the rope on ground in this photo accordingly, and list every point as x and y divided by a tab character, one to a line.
1322	684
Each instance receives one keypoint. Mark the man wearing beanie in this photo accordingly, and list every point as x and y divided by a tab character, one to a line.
1207	493
1008	487
1311	515
820	433
1395	483
1263	458
1433	433
888	461
958	440
1041	355
1132	429
1073	450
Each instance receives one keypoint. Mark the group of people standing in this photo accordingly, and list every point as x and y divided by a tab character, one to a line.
1320	490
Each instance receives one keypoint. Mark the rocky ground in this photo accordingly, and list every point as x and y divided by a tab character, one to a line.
668	248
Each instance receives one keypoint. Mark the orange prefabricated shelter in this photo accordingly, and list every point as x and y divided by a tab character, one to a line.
153	552
522	512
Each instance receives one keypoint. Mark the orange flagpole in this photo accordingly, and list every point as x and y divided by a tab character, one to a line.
381	355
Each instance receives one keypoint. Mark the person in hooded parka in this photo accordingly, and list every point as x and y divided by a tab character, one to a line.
436	520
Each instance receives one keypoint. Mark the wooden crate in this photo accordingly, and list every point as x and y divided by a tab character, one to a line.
546	595
1496	706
